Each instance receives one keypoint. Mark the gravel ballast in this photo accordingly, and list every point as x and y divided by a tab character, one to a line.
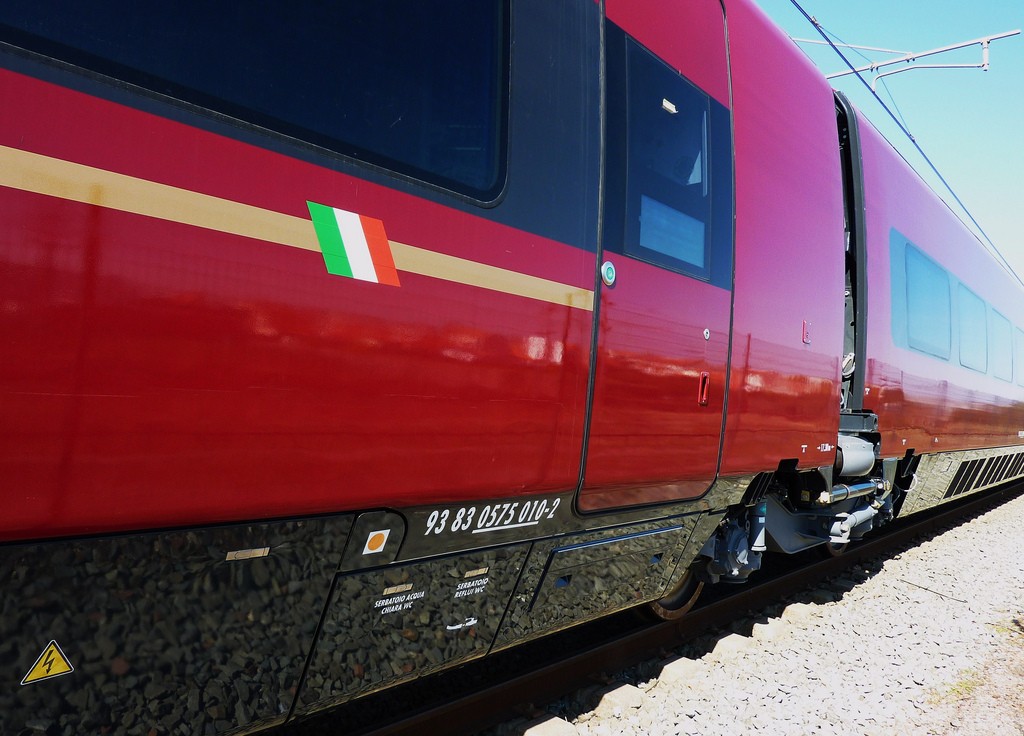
928	640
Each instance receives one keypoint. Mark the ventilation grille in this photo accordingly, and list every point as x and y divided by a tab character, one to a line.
973	475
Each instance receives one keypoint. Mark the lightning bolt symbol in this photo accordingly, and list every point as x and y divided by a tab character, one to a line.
48	661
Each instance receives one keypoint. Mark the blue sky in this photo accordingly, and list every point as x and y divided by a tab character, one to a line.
969	122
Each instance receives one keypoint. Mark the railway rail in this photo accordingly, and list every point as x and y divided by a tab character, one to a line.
507	685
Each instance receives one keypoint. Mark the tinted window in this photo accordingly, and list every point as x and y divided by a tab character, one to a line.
928	304
668	166
973	329
668	203
1000	347
416	87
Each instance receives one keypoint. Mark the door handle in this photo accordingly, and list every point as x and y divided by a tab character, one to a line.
703	390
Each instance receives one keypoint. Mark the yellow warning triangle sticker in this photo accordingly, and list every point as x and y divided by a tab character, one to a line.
51	663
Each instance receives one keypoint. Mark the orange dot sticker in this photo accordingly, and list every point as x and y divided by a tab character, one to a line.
375	541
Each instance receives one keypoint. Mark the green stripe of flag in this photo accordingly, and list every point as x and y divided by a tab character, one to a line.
326	225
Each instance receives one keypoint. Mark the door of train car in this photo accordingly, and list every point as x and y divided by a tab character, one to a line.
666	270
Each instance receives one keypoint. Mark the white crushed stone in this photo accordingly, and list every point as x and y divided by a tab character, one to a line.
926	643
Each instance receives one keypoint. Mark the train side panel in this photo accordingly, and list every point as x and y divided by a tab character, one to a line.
182	349
206	321
787	325
663	334
944	320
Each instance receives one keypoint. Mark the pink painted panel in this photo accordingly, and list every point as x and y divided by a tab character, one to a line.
784	391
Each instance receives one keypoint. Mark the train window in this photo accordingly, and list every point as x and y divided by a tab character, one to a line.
1000	347
669	166
419	88
928	304
668	203
1019	357
973	326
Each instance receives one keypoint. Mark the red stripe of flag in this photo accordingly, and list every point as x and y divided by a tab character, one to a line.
380	250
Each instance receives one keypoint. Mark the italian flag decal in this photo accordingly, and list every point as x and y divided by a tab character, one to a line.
353	245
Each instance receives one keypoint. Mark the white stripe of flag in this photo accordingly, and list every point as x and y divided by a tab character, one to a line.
356	247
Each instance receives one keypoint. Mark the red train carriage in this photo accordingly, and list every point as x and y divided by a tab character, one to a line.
942	335
346	345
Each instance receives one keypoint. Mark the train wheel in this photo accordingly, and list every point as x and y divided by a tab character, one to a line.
681	599
834	550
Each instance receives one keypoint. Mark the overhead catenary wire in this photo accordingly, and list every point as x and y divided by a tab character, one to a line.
990	246
845	45
857	49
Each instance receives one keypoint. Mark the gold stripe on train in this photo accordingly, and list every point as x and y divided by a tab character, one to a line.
33	172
